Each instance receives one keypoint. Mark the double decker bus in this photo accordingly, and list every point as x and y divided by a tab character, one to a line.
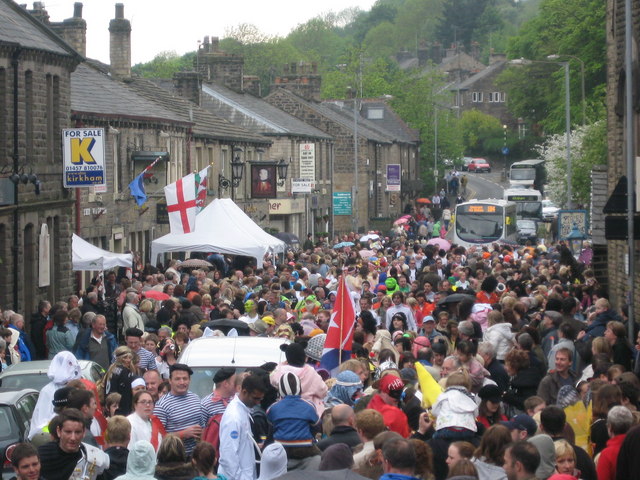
528	174
528	203
483	222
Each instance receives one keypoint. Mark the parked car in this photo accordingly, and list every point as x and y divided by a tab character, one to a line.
479	165
206	356
34	374
16	409
465	163
549	210
527	230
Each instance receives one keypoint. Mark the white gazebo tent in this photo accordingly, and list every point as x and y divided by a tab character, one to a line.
222	227
88	257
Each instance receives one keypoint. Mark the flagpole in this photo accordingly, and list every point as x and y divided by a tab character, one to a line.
342	291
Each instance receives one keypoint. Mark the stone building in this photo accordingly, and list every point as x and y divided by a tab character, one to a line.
480	92
37	214
359	182
616	123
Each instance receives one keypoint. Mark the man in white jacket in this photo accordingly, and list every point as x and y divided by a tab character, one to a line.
237	446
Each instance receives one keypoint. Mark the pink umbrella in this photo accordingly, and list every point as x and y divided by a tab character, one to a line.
402	220
154	294
366	253
440	243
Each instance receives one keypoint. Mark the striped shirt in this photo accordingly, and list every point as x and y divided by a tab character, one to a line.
177	412
214	404
147	359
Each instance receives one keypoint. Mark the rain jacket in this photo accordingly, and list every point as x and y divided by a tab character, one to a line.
313	388
141	462
63	368
456	408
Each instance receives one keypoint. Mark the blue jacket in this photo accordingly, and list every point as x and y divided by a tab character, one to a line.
292	419
599	325
82	344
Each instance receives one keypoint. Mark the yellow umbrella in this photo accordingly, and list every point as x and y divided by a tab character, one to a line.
430	389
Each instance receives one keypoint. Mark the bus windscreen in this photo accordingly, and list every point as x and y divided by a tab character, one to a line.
479	223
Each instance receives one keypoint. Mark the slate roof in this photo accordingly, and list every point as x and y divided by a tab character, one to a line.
390	124
17	26
255	114
342	117
490	70
206	125
93	92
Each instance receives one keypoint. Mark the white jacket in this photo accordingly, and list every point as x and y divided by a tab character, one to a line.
237	447
456	408
501	337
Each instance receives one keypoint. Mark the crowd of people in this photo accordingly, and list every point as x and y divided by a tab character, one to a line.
491	363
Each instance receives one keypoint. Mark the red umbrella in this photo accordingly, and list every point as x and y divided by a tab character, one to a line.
423	200
156	295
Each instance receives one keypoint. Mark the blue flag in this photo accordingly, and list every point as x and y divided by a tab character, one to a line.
137	189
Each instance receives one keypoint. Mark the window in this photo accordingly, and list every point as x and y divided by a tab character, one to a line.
28	113
478	97
497	97
375	113
3	116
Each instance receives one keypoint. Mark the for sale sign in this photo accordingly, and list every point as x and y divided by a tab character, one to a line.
83	153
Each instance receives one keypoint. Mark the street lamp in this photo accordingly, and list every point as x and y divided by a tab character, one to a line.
282	167
567	115
584	104
237	170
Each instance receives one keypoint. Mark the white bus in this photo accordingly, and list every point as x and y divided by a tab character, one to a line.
528	174
483	222
528	203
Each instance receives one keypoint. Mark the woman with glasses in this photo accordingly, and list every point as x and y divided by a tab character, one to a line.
145	425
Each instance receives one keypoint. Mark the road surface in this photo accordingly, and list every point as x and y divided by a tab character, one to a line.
484	185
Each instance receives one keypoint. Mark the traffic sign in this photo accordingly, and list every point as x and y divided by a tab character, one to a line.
505	150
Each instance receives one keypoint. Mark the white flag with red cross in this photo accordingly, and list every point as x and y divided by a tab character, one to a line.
181	204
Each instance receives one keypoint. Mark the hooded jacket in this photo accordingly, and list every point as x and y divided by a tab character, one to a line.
456	408
313	388
141	462
501	337
488	471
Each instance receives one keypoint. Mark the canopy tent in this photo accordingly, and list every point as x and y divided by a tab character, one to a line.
222	227
88	257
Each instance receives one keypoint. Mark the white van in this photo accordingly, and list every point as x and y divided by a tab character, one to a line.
206	355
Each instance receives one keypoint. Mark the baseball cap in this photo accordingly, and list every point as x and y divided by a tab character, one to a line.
389	383
522	422
428	318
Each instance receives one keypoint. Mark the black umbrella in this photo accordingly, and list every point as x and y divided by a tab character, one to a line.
226	324
455	298
288	238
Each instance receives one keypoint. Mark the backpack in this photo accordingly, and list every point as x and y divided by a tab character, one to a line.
211	432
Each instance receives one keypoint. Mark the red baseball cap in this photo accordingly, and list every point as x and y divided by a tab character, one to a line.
389	383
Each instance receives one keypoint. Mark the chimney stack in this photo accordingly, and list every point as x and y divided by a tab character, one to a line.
120	44
73	30
302	79
188	85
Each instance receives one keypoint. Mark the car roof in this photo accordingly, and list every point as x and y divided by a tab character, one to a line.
9	397
232	351
35	366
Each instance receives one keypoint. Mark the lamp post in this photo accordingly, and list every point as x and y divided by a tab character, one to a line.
567	116
237	170
582	87
282	168
437	107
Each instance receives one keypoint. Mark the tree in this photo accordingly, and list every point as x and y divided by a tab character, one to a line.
588	148
164	65
481	133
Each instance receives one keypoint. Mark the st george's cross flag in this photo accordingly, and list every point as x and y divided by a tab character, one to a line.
181	204
201	188
337	345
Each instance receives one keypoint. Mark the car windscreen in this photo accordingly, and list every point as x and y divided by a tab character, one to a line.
26	380
202	379
8	428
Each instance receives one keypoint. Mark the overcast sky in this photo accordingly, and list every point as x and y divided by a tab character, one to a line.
162	25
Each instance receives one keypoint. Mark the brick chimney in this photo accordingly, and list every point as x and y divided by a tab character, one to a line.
73	30
120	44
302	79
188	85
251	84
436	53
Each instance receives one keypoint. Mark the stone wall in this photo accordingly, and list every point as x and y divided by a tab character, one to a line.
43	110
618	250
